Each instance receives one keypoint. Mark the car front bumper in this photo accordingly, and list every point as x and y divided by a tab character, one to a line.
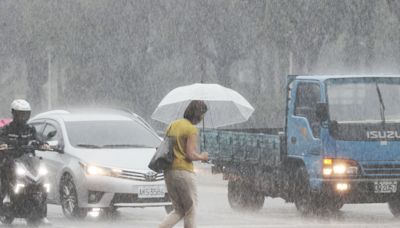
104	191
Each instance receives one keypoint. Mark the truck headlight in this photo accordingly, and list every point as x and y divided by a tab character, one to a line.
327	171
339	167
341	187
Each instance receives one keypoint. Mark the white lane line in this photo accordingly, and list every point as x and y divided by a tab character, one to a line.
295	225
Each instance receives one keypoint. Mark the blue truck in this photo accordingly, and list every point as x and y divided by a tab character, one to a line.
340	144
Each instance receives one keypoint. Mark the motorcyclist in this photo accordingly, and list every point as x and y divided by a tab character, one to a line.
16	134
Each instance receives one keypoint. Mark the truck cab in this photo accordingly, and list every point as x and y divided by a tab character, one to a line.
342	137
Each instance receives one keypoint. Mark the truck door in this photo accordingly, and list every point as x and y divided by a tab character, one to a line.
303	126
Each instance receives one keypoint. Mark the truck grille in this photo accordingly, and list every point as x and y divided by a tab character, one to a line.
148	176
382	169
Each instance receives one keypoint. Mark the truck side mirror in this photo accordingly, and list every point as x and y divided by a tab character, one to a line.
334	128
322	112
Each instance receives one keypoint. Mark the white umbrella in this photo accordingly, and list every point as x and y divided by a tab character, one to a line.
225	106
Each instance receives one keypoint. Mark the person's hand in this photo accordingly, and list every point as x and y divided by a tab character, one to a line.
45	147
204	156
3	146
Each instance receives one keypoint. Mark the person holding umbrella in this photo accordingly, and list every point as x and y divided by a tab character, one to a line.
180	179
213	105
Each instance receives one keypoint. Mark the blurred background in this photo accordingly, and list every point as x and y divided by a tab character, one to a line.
131	53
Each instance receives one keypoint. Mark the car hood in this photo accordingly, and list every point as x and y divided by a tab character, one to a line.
131	158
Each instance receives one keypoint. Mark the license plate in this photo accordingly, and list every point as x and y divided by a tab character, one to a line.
385	186
151	192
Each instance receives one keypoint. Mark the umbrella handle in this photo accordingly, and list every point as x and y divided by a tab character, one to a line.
204	137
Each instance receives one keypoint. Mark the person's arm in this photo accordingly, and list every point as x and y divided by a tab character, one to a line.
3	141
39	143
3	146
191	150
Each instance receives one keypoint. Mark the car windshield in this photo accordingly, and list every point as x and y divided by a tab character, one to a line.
364	100
110	134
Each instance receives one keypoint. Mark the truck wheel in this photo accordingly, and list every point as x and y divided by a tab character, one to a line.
235	195
242	197
334	205
256	201
34	221
69	199
394	206
304	201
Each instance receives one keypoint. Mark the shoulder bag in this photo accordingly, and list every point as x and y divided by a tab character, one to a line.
164	155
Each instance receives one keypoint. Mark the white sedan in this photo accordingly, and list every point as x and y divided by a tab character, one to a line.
102	162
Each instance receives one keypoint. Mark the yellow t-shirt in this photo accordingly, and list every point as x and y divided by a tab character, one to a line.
181	129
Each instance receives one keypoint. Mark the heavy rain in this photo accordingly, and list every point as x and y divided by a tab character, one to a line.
302	126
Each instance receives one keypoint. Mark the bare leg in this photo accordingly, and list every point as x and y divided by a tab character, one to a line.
183	194
190	218
171	219
190	203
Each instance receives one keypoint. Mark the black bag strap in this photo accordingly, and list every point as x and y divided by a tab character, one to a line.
167	131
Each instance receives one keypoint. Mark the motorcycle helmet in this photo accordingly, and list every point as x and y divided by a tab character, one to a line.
21	111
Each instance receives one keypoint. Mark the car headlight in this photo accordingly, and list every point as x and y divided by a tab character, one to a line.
339	167
43	171
94	170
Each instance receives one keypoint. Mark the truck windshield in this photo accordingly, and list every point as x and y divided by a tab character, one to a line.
368	100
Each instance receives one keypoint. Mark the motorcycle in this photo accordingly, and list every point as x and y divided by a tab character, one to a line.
29	187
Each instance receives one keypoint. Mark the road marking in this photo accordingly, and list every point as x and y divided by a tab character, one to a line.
291	225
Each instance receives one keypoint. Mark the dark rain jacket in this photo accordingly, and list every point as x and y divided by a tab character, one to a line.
15	136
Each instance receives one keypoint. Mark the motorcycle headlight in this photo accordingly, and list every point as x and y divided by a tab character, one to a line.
21	171
47	187
43	171
18	188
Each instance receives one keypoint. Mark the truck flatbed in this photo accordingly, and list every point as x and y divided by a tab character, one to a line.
251	146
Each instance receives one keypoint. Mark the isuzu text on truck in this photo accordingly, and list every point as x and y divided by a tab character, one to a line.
340	144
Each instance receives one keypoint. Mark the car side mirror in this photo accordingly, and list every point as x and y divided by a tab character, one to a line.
322	112
51	134
53	143
56	146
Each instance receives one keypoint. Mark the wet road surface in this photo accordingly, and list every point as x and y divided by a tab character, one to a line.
214	211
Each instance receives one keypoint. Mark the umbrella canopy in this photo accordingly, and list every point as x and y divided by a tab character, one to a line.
225	106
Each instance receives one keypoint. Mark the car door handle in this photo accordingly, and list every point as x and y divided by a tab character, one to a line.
293	140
